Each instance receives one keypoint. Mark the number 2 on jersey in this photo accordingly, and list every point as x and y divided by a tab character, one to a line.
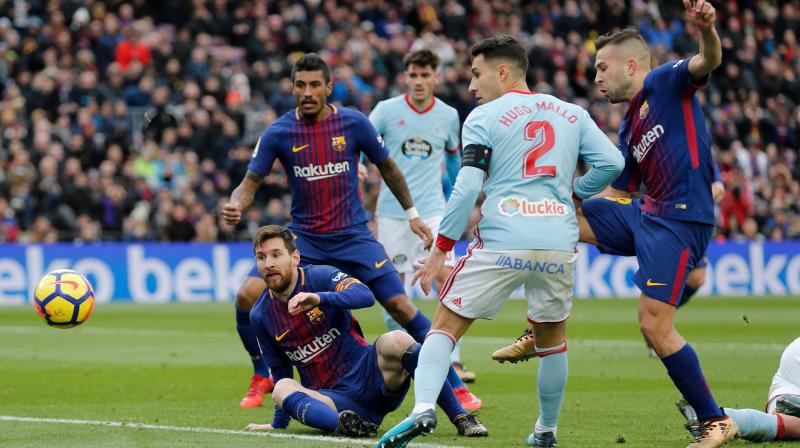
543	136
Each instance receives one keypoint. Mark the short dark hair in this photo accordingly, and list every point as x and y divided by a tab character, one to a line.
311	62
271	231
421	58
502	47
616	38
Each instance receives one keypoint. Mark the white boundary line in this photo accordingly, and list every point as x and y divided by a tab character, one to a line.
488	340
275	435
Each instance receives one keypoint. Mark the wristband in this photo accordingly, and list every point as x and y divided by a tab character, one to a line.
412	213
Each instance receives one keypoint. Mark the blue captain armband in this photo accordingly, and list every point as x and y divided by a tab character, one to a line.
477	156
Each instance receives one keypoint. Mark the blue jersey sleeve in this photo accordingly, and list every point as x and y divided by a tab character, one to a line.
369	142
264	153
629	179
339	290
674	77
717	174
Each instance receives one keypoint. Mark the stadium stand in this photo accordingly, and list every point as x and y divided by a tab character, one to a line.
133	121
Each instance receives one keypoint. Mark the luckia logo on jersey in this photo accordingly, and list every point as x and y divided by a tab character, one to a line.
512	206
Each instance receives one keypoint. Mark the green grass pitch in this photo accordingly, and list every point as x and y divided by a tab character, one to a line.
182	365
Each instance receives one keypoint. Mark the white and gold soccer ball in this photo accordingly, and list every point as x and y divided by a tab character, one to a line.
63	298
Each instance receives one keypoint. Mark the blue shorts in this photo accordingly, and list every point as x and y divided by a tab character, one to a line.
362	390
666	249
357	253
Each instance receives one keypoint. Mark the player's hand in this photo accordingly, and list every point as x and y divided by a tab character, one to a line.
701	13
302	302
259	427
422	231
430	268
718	191
232	213
363	174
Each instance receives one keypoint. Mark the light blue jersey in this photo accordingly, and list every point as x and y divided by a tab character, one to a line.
534	141
418	141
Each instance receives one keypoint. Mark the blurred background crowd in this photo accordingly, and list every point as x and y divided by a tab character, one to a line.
134	120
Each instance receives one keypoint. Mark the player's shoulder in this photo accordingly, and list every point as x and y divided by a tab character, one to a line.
657	73
281	124
346	113
393	102
323	273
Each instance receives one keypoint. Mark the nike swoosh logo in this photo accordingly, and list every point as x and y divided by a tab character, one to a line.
278	338
72	283
650	282
379	264
298	148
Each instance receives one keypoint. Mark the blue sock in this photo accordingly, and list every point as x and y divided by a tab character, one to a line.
250	342
551	383
447	399
310	411
684	369
755	426
431	373
418	328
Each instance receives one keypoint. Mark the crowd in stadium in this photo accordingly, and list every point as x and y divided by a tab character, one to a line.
134	120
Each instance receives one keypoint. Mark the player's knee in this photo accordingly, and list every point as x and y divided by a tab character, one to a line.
394	343
651	327
696	278
282	389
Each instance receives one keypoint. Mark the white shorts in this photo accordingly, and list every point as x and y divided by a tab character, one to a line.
403	246
787	379
483	279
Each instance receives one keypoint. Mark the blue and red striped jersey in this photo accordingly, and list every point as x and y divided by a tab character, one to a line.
667	146
321	163
323	343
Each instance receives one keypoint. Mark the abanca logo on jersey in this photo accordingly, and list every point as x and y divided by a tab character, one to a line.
312	172
311	350
646	143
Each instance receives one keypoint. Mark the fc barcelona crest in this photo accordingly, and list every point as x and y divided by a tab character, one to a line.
644	110
338	143
315	315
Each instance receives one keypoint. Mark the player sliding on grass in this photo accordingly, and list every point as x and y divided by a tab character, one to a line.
667	146
782	419
303	320
319	146
520	149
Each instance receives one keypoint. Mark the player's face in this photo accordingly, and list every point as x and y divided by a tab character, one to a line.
311	92
485	83
611	75
421	80
276	265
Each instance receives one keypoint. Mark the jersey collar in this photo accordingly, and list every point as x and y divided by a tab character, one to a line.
427	109
334	111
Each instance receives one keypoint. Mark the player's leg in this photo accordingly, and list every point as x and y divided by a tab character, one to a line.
307	406
694	281
400	245
754	426
549	295
666	251
784	392
398	356
476	289
246	296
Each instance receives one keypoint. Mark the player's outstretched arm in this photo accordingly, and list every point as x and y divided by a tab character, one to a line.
605	159
397	184
704	16
242	197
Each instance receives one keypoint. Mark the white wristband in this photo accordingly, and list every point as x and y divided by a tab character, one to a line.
412	213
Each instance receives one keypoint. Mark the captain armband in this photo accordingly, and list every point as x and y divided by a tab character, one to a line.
477	156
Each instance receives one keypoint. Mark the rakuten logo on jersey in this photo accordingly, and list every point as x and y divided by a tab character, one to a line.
316	172
512	206
311	350
643	147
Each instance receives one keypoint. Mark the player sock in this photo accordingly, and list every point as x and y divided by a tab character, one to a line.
688	292
684	369
431	372
447	398
418	327
551	383
755	426
456	355
250	342
311	412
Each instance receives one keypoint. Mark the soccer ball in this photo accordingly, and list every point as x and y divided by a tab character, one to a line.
63	298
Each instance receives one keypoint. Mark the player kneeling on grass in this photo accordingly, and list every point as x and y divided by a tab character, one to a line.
782	419
303	320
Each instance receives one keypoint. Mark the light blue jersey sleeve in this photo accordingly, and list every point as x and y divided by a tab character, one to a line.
376	118
452	158
469	181
599	152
